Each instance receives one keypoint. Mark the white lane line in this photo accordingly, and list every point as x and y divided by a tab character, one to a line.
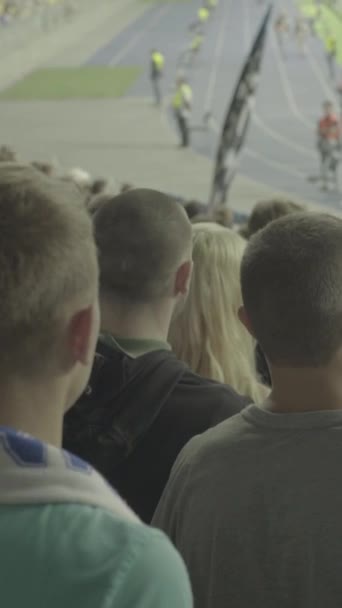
281	139
286	84
326	87
274	164
141	34
219	47
276	135
317	70
256	155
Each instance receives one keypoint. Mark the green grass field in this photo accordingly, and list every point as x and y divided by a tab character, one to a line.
73	83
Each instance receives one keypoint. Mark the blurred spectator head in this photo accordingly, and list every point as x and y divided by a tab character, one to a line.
80	177
207	333
194	208
144	245
49	281
292	289
265	212
224	217
7	155
46	168
96	202
98	186
125	187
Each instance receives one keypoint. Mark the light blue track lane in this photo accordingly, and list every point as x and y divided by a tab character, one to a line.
280	150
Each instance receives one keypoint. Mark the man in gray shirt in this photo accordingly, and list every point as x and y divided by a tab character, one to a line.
255	504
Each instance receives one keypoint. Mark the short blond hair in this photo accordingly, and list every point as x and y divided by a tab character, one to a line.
207	334
47	265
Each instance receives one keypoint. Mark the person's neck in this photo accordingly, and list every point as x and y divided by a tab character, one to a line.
306	389
145	321
35	410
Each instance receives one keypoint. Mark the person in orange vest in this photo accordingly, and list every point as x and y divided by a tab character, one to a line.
329	144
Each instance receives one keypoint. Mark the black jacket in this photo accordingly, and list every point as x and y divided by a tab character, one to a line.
137	414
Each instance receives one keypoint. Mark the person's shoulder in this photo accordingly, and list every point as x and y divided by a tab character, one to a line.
216	443
157	578
143	567
123	560
220	398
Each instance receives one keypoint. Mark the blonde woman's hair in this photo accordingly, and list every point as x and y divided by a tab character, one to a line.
207	333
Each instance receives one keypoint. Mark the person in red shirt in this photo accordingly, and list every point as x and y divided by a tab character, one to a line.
329	144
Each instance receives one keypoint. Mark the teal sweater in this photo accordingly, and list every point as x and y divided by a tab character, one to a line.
68	541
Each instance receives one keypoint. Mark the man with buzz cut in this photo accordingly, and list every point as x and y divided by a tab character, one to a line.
254	505
66	538
142	404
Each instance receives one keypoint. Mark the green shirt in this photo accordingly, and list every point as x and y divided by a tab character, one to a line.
73	556
136	346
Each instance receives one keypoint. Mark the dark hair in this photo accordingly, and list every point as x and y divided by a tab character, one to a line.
7	155
46	168
291	278
142	237
98	186
267	211
125	187
95	202
194	208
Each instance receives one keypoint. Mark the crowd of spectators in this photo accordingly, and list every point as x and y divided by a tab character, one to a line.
13	10
195	363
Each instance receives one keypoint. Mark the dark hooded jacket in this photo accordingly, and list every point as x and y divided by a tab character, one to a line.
137	414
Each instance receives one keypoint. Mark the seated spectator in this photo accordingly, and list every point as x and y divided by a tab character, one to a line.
95	202
80	177
194	208
255	504
142	404
265	212
98	186
7	155
126	187
224	217
66	538
46	168
208	334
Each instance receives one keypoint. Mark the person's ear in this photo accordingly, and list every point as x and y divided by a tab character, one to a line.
183	278
82	335
245	320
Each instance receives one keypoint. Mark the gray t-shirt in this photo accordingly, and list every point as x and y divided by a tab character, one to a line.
255	508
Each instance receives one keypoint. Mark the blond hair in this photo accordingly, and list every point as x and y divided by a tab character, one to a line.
47	266
207	334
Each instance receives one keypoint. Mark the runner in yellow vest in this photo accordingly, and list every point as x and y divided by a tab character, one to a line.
188	56
203	15
197	43
157	71
331	53
182	105
212	4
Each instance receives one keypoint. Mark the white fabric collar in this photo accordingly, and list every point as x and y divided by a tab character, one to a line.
32	472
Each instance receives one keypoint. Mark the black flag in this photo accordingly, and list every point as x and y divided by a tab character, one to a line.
237	120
